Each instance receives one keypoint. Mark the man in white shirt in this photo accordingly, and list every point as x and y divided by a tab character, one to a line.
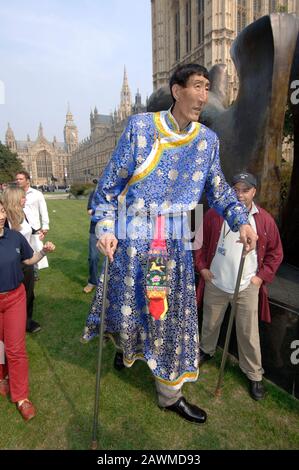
36	213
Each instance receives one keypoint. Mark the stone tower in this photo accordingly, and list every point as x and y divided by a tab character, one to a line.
10	140
125	107
70	132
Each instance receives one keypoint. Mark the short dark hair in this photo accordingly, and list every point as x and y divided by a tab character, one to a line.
25	173
183	72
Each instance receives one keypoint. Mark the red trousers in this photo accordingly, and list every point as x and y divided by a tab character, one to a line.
12	333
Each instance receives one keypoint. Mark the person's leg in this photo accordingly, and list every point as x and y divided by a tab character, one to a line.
31	325
15	348
172	399
248	337
93	260
3	364
215	303
167	395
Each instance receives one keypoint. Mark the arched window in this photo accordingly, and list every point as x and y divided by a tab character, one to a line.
44	165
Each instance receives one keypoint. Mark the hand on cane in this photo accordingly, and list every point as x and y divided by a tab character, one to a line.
107	244
248	237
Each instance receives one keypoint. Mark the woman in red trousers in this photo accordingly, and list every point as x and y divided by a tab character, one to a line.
15	250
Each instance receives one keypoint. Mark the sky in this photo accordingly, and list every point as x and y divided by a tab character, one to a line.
54	52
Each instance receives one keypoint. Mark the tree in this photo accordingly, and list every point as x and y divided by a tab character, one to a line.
10	164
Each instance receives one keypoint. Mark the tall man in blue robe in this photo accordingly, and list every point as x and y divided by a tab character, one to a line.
161	166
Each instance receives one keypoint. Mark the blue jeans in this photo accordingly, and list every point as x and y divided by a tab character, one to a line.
93	260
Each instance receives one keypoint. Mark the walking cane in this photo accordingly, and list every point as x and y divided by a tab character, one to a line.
94	443
230	324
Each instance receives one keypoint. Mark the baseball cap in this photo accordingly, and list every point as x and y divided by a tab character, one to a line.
246	178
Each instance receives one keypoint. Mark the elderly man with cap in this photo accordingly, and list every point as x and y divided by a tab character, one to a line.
93	252
218	261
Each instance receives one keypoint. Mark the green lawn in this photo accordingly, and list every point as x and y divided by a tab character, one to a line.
62	377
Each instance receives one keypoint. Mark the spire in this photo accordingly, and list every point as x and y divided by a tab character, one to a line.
10	140
69	116
138	98
9	132
125	81
40	131
70	132
125	108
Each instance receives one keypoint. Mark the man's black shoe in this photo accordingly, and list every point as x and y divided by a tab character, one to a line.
33	327
257	391
187	411
118	361
203	357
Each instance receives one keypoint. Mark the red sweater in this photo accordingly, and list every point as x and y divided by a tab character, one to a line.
269	253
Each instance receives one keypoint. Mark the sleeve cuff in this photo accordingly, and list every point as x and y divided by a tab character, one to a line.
104	226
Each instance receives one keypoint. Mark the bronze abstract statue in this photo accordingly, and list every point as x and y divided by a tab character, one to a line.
250	130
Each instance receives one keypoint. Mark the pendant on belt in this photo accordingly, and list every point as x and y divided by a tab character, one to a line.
156	277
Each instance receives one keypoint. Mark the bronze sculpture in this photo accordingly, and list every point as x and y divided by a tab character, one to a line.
266	57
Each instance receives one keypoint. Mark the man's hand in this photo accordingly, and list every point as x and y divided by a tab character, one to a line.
107	244
207	274
248	237
44	231
257	281
41	235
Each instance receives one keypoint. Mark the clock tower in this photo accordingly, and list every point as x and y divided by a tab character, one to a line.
70	132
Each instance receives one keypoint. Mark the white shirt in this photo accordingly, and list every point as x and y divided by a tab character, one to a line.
25	230
36	209
225	267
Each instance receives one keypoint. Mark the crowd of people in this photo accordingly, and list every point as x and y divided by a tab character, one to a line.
163	163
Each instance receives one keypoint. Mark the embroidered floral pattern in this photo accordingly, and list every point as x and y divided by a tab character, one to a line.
169	346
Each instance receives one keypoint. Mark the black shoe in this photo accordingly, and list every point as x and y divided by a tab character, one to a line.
33	327
187	411
257	391
203	357
118	361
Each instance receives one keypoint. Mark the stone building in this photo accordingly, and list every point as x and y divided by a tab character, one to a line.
93	153
46	162
202	31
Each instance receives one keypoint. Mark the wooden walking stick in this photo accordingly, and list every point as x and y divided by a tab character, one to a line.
230	324
94	443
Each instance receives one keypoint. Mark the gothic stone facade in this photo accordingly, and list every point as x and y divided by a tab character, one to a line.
46	162
93	153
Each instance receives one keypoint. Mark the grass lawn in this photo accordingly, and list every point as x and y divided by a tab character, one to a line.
62	377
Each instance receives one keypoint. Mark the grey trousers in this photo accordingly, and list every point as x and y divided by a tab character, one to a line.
167	396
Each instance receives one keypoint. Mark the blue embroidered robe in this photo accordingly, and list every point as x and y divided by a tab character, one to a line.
157	169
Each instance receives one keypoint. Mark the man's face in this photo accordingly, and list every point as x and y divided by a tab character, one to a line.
21	181
191	99
245	194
